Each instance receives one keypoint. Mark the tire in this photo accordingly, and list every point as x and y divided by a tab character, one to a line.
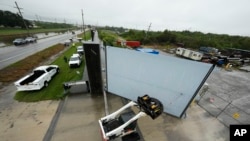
57	70
46	84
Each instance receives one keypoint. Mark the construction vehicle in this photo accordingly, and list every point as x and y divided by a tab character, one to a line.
121	124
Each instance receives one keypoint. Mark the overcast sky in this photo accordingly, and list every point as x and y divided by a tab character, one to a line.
214	16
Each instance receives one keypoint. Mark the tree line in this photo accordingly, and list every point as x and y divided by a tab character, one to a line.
190	39
186	38
9	19
41	24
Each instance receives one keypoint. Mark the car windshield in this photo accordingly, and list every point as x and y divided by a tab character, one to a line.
74	58
75	55
29	38
80	47
19	39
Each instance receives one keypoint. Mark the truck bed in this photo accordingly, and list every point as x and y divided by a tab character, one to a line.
36	74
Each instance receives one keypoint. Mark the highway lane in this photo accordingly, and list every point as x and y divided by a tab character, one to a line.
12	54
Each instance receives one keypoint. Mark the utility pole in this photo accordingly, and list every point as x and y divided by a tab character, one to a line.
147	31
83	26
40	18
22	17
37	18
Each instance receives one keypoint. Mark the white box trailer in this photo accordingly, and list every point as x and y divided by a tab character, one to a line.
194	55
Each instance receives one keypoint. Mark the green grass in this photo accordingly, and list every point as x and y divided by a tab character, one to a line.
8	31
88	35
109	37
55	89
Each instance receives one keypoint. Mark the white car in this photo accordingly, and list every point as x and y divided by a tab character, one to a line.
80	50
67	43
77	55
75	61
19	41
30	40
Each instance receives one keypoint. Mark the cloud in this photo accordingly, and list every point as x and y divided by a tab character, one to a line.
216	16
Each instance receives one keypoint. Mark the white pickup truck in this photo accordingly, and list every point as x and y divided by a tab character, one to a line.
38	79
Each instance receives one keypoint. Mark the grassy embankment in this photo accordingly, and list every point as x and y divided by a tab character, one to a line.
88	35
109	37
55	89
15	71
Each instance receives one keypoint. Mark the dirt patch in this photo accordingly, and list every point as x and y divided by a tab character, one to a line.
22	67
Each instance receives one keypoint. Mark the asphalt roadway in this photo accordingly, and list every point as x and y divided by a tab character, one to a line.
12	54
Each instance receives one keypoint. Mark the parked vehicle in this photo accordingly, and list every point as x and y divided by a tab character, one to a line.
189	54
38	79
133	44
19	41
67	43
79	39
30	40
80	50
75	61
77	55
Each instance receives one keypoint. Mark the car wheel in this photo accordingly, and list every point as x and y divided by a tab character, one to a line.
57	70
46	84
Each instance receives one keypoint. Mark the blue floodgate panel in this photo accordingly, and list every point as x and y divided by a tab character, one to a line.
173	81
